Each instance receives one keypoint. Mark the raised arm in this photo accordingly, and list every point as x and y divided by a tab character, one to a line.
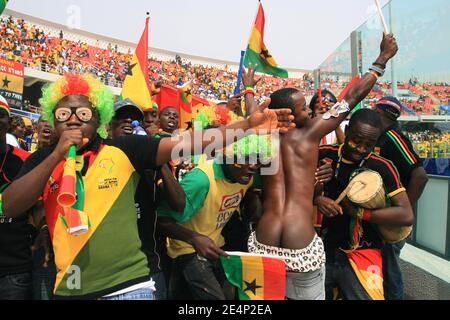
249	82
322	126
262	120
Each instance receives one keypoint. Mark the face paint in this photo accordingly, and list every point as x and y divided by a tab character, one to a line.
352	144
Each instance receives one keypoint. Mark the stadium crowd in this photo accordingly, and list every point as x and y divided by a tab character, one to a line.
26	43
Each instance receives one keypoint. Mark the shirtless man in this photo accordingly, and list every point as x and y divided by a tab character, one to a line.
286	228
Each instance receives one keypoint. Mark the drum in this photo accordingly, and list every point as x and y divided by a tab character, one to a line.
366	190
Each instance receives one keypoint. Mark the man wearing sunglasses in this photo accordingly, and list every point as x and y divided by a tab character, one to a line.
107	261
319	108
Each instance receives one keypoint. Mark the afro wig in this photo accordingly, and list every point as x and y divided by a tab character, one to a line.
86	85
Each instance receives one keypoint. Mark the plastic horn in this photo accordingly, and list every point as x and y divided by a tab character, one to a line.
380	12
241	66
67	195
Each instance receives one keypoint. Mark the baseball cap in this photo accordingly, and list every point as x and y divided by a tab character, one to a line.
390	105
128	104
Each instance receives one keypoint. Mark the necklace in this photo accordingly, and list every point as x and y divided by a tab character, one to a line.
338	166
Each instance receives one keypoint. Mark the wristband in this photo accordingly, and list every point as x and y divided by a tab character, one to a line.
248	87
367	215
374	74
250	91
378	70
383	66
364	214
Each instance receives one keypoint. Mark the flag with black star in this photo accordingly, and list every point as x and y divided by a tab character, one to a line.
256	277
257	52
11	82
185	105
136	85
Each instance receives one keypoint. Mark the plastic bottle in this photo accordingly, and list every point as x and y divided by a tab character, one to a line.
138	130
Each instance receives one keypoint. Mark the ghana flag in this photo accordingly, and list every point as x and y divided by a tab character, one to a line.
136	86
368	267
257	53
3	4
185	105
256	277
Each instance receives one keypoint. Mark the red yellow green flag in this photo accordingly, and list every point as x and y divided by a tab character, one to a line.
256	277
368	267
185	105
257	52
347	88
136	86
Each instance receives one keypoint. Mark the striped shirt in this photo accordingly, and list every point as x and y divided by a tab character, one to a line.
393	145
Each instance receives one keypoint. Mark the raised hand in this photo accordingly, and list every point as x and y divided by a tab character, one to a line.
388	47
248	76
266	120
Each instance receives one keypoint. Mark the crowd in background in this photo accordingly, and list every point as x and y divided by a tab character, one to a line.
28	44
25	43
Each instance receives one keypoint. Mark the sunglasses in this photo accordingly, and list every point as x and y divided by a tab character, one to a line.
83	114
328	99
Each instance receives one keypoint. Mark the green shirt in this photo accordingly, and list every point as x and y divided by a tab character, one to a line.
196	187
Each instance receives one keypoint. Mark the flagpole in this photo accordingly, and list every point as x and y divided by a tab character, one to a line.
241	68
380	13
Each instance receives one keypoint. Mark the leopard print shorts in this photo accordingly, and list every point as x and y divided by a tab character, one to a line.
311	258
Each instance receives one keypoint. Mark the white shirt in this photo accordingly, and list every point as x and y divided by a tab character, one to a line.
12	141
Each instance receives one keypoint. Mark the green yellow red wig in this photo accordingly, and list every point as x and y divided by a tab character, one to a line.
86	85
257	146
213	117
250	146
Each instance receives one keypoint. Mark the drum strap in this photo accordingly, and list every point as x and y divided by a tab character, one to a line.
338	166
